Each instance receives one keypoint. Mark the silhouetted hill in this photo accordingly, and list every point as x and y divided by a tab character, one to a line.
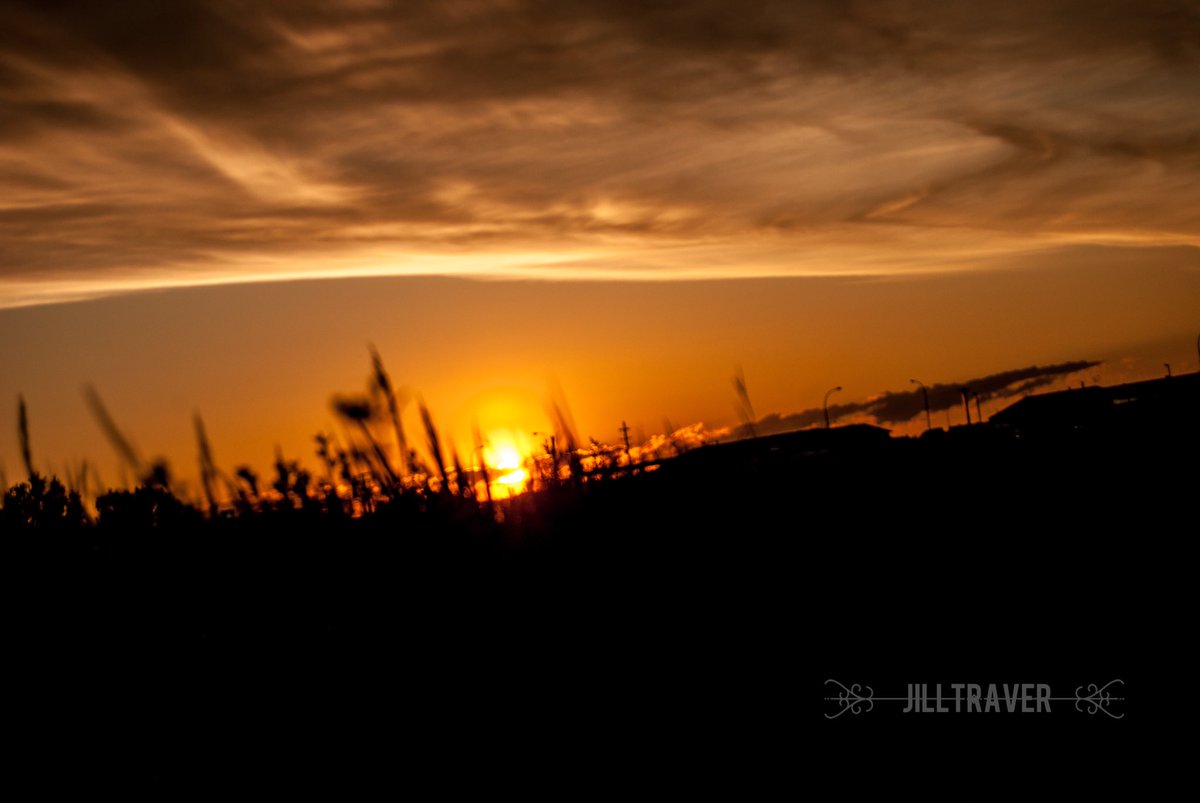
699	602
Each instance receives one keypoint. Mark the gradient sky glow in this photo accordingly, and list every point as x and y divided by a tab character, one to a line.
630	197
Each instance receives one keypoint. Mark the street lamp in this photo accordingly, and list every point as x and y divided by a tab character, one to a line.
925	395
826	403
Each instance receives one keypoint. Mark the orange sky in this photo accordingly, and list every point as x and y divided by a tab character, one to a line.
631	200
261	362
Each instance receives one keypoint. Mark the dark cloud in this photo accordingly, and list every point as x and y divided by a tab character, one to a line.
897	407
755	138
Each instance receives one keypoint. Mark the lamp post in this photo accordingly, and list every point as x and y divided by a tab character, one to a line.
825	404
925	395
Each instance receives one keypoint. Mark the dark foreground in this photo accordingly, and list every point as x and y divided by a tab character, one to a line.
667	632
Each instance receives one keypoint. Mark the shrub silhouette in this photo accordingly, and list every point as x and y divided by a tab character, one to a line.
144	509
43	504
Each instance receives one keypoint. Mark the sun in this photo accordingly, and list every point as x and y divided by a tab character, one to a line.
504	457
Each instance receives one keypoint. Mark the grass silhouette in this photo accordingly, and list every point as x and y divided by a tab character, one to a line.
689	595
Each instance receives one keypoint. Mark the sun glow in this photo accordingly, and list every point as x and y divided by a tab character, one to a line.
515	477
504	457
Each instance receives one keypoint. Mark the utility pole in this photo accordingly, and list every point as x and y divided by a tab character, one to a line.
625	435
925	395
966	397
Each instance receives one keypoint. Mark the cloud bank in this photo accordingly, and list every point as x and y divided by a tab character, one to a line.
897	407
152	144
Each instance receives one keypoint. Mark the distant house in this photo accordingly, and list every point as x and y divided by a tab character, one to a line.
851	439
1157	405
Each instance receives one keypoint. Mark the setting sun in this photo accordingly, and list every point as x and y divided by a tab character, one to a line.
504	456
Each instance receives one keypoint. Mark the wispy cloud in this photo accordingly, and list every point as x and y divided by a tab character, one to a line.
150	145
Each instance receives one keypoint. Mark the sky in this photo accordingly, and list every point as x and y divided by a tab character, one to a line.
215	207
